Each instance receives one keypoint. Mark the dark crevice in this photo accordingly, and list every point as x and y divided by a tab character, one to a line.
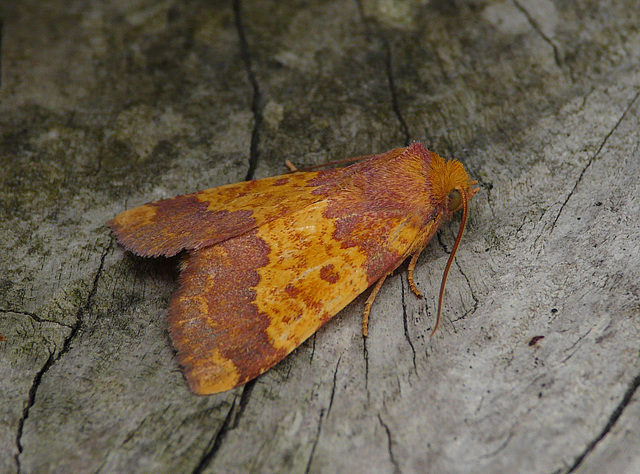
35	317
244	401
132	433
613	419
388	63
575	346
30	401
313	348
365	355
231	422
536	27
396	466
522	224
442	244
52	359
215	442
255	101
315	442
473	296
593	158
322	416
1	32
333	388
394	93
100	468
406	328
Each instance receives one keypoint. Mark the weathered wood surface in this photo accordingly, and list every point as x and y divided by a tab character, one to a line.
107	105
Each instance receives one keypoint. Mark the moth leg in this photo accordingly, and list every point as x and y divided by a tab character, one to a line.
368	303
412	266
292	168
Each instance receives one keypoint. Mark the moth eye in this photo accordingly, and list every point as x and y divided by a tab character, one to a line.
455	200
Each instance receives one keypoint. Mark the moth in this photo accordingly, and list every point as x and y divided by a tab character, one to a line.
271	260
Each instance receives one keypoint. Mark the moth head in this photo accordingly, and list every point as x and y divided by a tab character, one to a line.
452	189
449	182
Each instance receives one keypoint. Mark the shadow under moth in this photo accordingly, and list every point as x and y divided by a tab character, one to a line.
271	260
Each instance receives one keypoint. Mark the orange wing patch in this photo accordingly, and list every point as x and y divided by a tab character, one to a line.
246	303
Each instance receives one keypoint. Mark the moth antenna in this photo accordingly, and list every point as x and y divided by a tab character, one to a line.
463	223
293	168
390	154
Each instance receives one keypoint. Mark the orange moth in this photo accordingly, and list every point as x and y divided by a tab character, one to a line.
271	260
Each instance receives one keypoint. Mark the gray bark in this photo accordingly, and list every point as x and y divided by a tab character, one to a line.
108	105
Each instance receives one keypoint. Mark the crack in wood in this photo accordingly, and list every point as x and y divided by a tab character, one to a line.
473	296
247	390
51	360
231	422
537	29
1	32
365	355
592	159
405	323
35	317
215	442
394	92
388	64
392	458
575	346
313	348
613	419
315	442
333	387
25	412
256	99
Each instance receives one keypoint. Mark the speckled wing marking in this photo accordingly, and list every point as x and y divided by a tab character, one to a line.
244	304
